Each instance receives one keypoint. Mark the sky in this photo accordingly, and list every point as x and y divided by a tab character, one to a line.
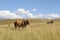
12	9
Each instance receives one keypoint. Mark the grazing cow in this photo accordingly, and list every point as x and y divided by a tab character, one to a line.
50	22
21	23
18	23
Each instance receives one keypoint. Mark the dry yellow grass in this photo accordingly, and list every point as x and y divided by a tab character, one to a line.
37	30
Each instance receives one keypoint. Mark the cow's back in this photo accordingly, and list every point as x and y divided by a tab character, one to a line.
18	21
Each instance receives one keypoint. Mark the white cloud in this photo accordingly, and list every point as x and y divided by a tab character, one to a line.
8	15
22	13
52	16
46	16
37	16
41	15
33	9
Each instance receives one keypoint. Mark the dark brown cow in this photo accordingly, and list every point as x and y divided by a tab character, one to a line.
50	22
26	22
21	23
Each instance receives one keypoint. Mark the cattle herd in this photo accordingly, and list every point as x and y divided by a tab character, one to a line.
24	23
21	23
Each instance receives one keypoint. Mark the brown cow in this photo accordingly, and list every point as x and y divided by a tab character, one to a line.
18	23
21	23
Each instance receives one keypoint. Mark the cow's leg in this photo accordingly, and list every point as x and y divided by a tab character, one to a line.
22	26
19	26
15	26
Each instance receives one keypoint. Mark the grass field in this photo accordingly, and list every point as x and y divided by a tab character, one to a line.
37	30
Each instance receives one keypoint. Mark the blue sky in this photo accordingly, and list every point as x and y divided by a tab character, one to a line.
40	6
